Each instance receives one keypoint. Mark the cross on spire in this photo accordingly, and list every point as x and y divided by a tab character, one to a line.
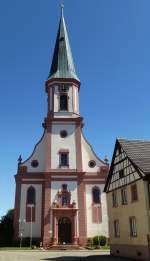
62	9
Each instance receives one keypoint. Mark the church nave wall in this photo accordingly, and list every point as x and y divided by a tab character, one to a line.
101	228
36	226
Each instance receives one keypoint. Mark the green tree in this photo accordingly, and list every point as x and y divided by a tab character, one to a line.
6	228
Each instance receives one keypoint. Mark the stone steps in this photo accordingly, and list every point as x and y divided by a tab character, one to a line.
64	247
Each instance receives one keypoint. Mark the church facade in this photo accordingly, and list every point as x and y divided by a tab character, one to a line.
59	188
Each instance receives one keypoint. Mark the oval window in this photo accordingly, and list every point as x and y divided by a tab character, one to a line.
34	163
92	163
63	134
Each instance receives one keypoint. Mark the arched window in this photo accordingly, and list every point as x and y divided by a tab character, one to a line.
31	195
96	195
63	102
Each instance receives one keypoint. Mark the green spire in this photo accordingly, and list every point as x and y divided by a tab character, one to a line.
62	63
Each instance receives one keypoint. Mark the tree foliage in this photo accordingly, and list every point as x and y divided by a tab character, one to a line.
6	228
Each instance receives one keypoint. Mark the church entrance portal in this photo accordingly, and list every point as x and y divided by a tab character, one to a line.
64	231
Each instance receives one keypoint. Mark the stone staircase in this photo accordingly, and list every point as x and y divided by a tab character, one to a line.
64	247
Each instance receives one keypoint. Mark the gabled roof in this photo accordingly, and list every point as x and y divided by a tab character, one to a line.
139	152
62	63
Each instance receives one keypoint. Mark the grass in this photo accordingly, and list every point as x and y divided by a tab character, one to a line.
106	247
14	248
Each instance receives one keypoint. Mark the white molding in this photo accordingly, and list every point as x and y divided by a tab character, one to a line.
70	177
86	179
33	179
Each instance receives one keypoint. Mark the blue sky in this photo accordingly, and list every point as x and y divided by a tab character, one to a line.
110	42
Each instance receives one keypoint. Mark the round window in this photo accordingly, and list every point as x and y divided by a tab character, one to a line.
34	163
63	134
92	163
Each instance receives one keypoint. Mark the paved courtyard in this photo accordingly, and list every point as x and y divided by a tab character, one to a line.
58	256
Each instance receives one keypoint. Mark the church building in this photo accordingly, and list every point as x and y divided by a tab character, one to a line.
59	188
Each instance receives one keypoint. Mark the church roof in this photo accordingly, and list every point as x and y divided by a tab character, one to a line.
62	63
139	152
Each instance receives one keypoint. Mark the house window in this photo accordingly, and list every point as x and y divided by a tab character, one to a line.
134	193
114	199
31	196
96	195
116	228
64	159
63	102
149	193
133	228
124	196
121	173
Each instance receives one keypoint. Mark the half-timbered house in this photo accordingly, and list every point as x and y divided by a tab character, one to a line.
128	199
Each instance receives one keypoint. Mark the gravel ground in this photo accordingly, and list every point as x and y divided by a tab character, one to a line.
58	256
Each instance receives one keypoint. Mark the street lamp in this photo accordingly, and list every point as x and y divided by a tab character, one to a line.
98	210
21	230
31	206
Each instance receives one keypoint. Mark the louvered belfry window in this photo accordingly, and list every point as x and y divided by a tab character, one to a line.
63	102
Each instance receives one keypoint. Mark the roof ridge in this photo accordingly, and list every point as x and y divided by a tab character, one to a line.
130	140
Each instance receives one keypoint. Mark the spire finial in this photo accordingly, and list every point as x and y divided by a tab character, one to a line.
62	9
106	160
19	160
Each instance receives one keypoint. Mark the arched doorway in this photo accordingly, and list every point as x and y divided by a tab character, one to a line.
64	230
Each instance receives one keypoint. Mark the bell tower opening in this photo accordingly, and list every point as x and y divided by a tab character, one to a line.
64	230
63	102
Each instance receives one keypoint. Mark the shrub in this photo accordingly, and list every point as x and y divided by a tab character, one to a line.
90	241
99	240
102	240
96	240
26	242
35	242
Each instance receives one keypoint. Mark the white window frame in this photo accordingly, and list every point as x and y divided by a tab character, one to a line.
116	228
133	226
114	199
124	198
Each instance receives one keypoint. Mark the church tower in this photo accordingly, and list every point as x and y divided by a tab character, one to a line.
59	188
